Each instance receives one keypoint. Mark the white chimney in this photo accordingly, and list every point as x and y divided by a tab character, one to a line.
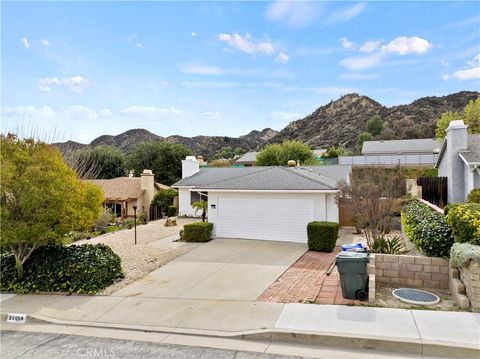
457	140
190	166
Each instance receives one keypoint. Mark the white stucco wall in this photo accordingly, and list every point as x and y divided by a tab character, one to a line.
184	206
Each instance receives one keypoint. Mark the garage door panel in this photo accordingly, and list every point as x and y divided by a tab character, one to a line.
282	219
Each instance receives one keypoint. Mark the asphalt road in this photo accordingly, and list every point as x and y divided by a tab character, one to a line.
58	346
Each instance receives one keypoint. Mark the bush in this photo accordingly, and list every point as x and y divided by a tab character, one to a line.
322	236
171	211
128	223
387	245
464	221
80	269
462	253
474	196
106	217
427	229
197	232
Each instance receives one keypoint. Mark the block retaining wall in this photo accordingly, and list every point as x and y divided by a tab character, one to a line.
470	276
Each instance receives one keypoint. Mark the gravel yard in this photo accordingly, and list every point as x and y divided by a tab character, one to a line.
155	248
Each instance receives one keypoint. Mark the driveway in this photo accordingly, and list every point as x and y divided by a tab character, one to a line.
223	269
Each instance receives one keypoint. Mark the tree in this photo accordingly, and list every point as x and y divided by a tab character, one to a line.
109	161
227	153
334	152
471	116
163	158
220	163
280	154
164	198
375	125
41	198
444	121
364	136
201	206
371	194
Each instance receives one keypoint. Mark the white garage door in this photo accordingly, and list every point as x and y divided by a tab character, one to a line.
277	219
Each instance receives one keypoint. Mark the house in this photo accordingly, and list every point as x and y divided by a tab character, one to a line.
459	161
122	193
423	146
270	203
250	158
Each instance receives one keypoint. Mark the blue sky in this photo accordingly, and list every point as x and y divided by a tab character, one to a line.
87	69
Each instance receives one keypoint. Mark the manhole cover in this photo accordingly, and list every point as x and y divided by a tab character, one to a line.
415	296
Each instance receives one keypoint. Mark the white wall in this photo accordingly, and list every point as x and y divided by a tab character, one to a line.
325	207
184	206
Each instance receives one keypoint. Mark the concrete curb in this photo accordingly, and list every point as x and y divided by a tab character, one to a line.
385	344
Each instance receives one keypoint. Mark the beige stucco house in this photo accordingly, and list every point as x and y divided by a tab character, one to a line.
122	193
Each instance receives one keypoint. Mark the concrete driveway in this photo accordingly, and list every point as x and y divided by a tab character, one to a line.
223	269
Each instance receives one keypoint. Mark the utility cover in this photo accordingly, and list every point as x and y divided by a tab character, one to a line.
415	296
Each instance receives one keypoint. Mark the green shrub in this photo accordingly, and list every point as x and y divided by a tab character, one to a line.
142	218
197	232
474	196
385	245
427	229
464	221
86	269
322	236
462	253
128	223
171	211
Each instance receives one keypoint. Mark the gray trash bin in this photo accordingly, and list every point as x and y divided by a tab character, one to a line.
353	269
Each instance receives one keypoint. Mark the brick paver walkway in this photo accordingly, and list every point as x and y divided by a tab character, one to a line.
306	282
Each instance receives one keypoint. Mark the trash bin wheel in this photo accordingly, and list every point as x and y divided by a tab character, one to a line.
361	295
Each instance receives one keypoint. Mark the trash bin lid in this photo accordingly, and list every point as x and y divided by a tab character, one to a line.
349	256
352	247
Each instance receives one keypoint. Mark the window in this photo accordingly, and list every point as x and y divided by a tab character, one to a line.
194	197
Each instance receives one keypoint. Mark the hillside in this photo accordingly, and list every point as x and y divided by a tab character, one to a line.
341	121
336	123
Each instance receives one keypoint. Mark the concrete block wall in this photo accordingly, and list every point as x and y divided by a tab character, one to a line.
411	271
470	276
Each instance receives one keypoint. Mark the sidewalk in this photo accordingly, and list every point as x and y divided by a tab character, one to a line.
451	334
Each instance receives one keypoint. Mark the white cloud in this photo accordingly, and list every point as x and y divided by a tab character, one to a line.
25	42
282	57
194	34
247	44
468	74
346	14
105	113
347	44
370	46
445	77
201	69
151	112
29	111
475	61
139	45
403	45
210	115
76	84
210	84
362	62
45	42
294	14
78	112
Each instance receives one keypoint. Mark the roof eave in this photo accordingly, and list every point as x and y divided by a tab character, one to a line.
269	190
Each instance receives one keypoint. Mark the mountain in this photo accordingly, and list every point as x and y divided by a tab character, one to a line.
337	123
341	121
204	145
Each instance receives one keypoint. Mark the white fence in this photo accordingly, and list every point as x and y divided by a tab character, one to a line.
388	160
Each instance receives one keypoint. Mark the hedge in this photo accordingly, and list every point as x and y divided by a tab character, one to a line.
171	211
85	269
462	253
474	196
197	232
322	236
464	220
427	229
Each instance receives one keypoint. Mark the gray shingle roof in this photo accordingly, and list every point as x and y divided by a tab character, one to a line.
268	178
426	145
248	157
472	154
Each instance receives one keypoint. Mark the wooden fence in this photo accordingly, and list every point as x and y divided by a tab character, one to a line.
434	190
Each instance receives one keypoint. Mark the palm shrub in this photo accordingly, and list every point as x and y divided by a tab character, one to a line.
385	245
201	206
427	229
322	236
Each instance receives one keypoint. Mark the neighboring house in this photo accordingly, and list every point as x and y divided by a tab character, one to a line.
122	193
250	158
271	203
459	161
416	152
423	146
